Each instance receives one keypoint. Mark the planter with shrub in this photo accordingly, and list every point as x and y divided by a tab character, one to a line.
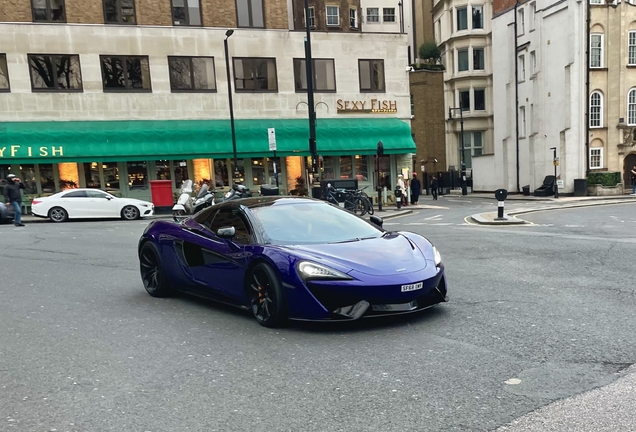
604	184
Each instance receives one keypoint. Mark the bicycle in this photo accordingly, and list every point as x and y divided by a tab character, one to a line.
346	199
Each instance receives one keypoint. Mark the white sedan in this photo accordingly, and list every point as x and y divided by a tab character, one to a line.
89	203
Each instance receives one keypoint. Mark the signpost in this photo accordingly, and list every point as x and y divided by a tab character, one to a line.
271	134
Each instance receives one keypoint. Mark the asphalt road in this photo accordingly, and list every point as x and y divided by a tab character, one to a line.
536	314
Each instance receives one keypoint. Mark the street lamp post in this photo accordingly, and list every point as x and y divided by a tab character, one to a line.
462	161
310	95
237	175
555	162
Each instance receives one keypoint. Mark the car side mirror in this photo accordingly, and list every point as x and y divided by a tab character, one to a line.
376	220
226	233
108	197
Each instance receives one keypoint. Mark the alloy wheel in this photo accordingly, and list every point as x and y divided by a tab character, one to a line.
130	213
58	215
261	296
150	273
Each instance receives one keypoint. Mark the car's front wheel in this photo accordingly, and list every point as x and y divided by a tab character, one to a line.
130	212
58	214
152	274
267	300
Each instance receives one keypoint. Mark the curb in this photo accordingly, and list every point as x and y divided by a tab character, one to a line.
575	205
488	219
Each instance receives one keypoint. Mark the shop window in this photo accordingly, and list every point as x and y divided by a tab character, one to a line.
250	13
111	176
271	171
327	168
55	72
29	178
192	73
361	168
371	75
346	167
125	73
221	178
137	175
48	11
258	172
4	73
119	11
47	178
91	175
384	171
255	74
324	73
181	173
186	13
162	170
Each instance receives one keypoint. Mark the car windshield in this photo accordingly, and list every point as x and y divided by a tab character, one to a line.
311	223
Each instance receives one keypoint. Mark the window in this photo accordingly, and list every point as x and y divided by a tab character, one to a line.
137	175
533	62
480	99
345	163
521	23
4	73
631	108
464	100
478	17
324	75
388	15
192	73
478	59
250	13
186	13
631	58
473	146
76	194
55	72
462	18
533	12
522	122
97	194
522	68
596	158
125	73
255	74
462	60
596	50
596	2
119	11
373	15
596	109
353	18
312	18
48	10
226	218
371	75
333	15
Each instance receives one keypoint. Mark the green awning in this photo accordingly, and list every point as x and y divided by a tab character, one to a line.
87	141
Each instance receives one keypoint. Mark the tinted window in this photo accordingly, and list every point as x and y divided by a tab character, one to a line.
307	223
75	194
96	194
228	218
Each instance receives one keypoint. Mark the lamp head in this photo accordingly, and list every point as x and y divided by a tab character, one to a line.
229	33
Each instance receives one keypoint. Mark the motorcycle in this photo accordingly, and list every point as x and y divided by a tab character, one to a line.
204	199
185	202
237	191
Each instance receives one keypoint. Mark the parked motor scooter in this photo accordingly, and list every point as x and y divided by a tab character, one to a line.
204	199
237	191
185	203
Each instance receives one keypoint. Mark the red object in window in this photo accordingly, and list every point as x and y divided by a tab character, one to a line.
161	191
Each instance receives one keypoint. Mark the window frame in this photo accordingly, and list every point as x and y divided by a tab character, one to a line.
187	13
55	80
191	63
461	92
597	2
600	110
475	90
356	23
3	58
327	16
315	77
533	14
462	50
521	61
371	90
591	156
376	9
629	93
522	122
251	15
601	50
385	15
312	15
631	59
521	22
243	90
479	7
126	89
119	16
457	10
49	12
483	58
470	147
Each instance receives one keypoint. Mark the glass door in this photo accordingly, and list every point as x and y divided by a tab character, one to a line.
138	183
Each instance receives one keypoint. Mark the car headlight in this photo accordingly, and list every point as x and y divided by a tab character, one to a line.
436	257
310	270
145	205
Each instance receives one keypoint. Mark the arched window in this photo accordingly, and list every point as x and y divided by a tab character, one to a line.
596	109
631	107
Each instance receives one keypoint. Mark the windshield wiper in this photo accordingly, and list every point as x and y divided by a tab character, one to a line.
346	241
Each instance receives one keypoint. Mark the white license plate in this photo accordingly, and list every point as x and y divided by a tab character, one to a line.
412	287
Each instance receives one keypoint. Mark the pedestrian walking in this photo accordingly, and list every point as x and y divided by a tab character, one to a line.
402	187
416	189
13	197
634	181
434	188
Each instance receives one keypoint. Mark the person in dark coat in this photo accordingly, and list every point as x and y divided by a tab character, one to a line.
416	188
434	188
13	196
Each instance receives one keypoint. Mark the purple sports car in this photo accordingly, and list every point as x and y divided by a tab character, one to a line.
292	258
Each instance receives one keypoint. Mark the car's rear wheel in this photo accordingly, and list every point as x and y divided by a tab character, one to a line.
130	212
267	300
58	214
152	274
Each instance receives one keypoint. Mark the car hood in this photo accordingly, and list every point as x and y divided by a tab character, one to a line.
393	253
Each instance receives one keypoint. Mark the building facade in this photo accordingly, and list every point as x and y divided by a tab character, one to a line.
612	90
462	31
539	87
113	94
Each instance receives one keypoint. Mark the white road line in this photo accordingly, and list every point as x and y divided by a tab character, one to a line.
445	223
433	217
417	223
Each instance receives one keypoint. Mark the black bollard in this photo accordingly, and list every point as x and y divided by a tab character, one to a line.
501	195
